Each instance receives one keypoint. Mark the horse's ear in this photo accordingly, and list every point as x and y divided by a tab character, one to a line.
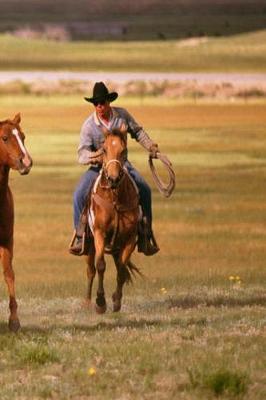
17	119
105	131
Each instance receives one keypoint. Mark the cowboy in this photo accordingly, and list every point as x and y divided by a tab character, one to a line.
90	152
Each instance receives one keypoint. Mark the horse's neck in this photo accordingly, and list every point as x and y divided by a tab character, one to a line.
103	189
4	173
126	192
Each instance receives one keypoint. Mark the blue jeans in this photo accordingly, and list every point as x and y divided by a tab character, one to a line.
87	180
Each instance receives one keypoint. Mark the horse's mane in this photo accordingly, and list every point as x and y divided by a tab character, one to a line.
6	121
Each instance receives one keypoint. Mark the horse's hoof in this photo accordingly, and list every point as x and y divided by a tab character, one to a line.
116	302
116	307
100	309
14	325
100	305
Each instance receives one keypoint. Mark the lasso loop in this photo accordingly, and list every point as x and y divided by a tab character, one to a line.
165	188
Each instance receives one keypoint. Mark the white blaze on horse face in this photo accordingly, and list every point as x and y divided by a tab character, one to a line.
21	145
114	144
27	161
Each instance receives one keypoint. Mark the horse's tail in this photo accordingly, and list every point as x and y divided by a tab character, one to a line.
132	271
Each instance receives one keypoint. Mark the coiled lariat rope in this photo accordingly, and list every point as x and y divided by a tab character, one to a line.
166	189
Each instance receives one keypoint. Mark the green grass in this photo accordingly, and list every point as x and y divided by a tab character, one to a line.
193	327
32	353
221	381
242	53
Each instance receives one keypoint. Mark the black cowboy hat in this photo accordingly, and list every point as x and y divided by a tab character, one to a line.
101	93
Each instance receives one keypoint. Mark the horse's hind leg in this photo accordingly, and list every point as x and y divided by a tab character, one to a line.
6	255
123	274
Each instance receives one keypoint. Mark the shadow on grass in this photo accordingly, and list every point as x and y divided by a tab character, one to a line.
142	324
218	301
126	321
120	322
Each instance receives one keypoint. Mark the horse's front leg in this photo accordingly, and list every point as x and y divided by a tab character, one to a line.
91	271
123	274
6	253
100	266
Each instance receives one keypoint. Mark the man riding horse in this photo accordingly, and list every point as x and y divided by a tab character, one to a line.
90	152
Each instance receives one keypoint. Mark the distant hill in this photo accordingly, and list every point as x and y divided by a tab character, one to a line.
129	20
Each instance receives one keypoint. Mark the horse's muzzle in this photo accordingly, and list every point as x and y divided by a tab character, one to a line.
24	171
25	165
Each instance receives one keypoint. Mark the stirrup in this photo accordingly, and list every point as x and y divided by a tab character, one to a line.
76	250
149	247
146	240
154	244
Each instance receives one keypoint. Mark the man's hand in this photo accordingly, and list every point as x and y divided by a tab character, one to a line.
154	149
96	157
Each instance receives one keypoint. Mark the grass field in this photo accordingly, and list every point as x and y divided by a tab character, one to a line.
194	327
239	53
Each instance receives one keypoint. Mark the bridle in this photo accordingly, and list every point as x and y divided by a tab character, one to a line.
113	161
120	175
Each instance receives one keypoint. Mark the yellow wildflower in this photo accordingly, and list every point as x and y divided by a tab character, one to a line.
91	371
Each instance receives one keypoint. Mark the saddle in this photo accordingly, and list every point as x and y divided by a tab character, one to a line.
79	245
83	236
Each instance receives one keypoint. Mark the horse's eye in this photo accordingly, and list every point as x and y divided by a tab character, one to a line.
4	138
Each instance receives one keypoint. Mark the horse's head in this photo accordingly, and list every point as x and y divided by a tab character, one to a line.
115	151
13	152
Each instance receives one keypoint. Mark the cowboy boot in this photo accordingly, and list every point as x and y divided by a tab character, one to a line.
146	240
79	243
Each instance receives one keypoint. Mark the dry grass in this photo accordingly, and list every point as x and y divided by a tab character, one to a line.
194	327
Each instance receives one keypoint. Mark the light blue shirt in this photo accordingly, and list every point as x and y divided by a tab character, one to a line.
92	137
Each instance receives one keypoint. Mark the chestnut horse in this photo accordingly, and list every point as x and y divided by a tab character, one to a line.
113	216
13	154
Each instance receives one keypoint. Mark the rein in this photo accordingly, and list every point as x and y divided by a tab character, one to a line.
165	189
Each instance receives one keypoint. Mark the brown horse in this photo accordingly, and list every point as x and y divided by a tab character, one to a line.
114	210
13	154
